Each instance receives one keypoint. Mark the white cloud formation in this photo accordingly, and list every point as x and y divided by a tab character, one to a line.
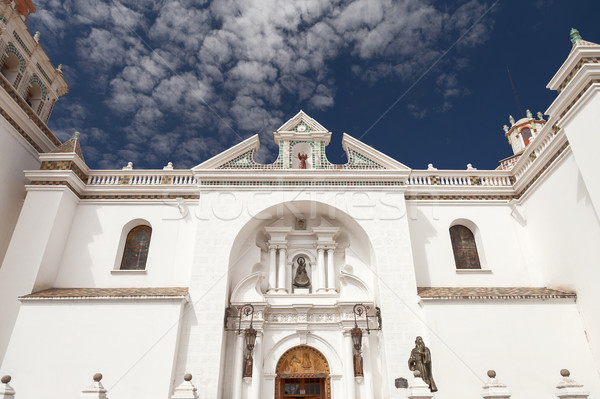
174	71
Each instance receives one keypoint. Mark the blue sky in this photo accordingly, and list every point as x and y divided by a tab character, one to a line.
179	81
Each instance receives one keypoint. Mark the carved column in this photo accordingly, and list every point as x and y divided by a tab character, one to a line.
367	368
282	274
330	271
321	269
349	366
257	370
236	392
272	268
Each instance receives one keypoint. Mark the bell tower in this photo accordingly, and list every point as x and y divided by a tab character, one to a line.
522	132
30	87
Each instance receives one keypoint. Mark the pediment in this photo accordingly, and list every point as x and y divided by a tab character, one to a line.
301	122
240	156
363	156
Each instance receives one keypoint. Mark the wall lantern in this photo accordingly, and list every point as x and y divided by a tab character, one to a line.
250	338
356	333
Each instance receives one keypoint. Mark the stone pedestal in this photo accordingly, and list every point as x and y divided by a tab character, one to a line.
186	390
568	388
494	389
419	389
95	390
6	391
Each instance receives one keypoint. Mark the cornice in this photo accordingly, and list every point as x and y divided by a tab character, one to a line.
574	57
573	91
582	101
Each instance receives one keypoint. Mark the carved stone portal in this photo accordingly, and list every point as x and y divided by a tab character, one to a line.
302	365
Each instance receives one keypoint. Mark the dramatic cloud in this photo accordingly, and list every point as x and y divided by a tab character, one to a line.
183	80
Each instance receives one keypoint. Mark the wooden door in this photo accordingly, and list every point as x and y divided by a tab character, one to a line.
302	388
302	373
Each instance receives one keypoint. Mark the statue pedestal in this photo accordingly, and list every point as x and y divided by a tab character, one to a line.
303	291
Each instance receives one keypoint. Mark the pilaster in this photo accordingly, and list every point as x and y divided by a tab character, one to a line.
33	256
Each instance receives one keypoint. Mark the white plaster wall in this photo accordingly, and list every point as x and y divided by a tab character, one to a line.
91	253
563	233
527	343
59	345
581	129
15	156
499	247
32	259
222	215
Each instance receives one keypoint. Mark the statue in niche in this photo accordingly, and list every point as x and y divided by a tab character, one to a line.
420	359
302	157
301	279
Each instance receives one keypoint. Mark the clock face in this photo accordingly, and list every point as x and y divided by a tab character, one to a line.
301	128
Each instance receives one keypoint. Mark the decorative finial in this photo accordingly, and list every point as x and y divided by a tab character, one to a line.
470	167
76	135
169	166
129	166
97	377
506	128
491	374
575	35
431	167
59	68
565	372
528	114
6	379
37	36
511	120
540	115
187	377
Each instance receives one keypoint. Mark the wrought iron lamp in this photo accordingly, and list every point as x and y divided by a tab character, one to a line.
250	338
356	333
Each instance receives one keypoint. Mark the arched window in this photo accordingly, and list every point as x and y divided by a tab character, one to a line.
464	247
526	134
135	253
10	69
34	96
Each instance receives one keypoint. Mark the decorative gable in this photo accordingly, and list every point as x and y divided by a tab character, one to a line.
302	141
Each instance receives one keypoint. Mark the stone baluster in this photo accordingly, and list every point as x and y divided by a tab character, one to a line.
272	268
281	284
494	389
419	389
330	271
568	388
186	390
95	390
321	269
6	391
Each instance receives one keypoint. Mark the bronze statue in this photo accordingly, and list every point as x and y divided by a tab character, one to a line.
420	359
301	279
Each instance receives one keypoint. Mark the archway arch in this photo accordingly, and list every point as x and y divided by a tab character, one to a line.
302	370
250	249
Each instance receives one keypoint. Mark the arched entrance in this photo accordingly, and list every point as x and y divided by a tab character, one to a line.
302	373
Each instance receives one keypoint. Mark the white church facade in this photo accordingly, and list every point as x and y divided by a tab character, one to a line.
301	278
